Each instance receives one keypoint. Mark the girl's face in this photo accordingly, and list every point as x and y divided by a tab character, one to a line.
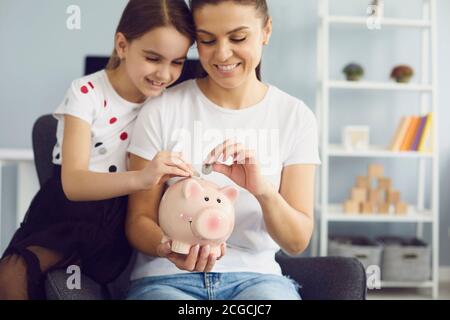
230	38
155	60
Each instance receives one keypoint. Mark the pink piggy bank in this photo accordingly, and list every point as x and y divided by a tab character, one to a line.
195	211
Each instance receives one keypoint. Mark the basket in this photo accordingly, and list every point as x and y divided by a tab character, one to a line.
367	251
405	259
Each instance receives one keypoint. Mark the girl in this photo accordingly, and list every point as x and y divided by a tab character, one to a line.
265	142
78	216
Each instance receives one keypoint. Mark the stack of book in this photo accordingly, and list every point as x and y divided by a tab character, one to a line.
413	134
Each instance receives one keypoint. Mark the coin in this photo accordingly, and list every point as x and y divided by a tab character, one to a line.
207	169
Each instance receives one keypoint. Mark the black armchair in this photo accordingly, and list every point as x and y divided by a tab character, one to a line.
320	278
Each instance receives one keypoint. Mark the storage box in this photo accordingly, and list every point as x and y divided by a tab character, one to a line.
405	259
364	249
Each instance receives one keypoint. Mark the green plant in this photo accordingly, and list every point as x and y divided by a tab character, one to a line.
402	73
353	72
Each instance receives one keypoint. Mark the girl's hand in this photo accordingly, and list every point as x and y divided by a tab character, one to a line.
245	170
199	258
165	165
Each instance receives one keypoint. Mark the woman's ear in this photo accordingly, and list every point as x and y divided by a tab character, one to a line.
121	45
267	31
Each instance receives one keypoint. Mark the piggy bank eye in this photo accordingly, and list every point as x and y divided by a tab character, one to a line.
206	199
219	201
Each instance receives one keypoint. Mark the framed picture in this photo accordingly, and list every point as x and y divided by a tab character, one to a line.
356	138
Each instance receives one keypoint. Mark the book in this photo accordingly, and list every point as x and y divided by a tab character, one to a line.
415	146
425	144
396	134
400	134
409	135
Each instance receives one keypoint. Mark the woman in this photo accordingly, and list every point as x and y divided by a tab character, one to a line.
271	139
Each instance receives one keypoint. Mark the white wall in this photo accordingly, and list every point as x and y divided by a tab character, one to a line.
39	57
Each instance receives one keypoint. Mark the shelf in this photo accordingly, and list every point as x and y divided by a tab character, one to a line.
368	85
335	150
16	155
406	284
384	22
335	213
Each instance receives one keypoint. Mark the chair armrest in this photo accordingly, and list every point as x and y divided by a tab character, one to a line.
56	288
326	278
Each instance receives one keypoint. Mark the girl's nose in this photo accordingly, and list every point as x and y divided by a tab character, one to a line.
163	74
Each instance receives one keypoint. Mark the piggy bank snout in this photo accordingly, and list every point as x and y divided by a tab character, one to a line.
212	224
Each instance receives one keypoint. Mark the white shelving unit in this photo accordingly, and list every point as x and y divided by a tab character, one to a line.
427	88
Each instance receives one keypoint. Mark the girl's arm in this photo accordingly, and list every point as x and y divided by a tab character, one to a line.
80	184
145	235
289	213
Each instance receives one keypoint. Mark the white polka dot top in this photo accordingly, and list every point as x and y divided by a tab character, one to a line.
94	100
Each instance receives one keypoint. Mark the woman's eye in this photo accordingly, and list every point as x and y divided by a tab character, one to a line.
178	63
207	42
239	40
152	59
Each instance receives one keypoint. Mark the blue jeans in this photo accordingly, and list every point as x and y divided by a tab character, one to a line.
214	286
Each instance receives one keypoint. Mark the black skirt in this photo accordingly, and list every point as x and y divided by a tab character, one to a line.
90	234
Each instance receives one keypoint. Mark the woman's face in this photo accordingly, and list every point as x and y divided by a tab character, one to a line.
155	60
230	38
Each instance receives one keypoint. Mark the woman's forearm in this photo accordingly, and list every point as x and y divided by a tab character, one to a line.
290	228
144	235
83	185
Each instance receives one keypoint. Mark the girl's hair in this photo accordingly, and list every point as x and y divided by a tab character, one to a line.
142	16
260	6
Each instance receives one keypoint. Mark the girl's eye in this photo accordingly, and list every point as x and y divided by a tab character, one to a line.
239	40
219	201
178	63
206	199
152	59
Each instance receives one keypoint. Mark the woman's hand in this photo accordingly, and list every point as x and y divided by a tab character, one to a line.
165	165
245	170
199	259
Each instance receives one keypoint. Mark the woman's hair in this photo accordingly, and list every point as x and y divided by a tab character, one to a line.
260	6
142	16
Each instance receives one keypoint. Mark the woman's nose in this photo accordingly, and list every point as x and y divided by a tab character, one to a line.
223	52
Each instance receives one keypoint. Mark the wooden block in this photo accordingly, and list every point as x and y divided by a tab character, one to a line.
359	194
384	183
393	196
376	170
401	208
366	208
383	208
363	182
382	194
351	207
374	196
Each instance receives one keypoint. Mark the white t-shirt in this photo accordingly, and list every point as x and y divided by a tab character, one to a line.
94	100
281	129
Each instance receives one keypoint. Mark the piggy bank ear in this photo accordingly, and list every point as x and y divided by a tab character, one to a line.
230	192
192	189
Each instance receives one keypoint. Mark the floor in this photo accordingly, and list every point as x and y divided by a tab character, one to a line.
409	294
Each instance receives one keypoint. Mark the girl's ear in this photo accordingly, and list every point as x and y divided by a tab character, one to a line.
267	31
121	45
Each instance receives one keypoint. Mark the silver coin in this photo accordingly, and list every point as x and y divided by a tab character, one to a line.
207	169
